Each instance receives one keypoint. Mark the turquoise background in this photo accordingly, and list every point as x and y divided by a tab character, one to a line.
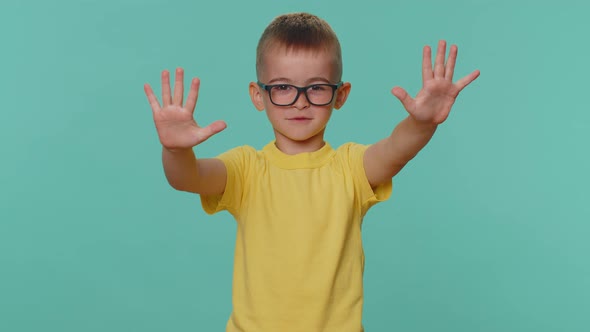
487	229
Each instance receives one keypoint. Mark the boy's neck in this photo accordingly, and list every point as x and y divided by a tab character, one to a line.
291	147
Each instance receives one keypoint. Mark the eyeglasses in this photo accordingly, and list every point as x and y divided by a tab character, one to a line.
287	94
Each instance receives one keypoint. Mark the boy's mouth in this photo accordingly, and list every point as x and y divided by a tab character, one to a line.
300	118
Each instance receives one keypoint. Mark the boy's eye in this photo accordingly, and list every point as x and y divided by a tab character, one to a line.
318	87
283	87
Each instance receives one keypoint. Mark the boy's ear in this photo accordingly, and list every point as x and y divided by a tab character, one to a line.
256	96
342	95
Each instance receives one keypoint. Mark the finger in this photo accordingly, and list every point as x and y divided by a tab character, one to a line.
439	62
462	83
193	95
178	87
404	98
426	64
212	129
153	100
450	66
166	100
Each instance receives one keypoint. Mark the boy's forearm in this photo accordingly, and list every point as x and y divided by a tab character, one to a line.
406	140
384	159
180	168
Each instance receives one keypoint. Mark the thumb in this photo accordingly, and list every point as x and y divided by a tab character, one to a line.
403	97
212	129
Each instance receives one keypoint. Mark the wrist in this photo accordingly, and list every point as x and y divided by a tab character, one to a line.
422	125
177	151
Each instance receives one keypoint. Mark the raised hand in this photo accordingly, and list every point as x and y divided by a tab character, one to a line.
434	101
175	123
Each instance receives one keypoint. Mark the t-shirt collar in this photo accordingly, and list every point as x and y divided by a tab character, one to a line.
301	160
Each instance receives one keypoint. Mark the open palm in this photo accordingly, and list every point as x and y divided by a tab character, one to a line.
434	101
175	123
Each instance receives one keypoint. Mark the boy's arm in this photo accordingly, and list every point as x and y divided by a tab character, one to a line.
430	108
179	133
187	173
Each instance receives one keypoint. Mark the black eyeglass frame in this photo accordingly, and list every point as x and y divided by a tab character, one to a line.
299	91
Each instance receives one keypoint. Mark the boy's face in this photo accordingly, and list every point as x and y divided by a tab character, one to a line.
301	122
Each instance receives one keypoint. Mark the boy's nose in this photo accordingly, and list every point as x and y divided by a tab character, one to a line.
301	102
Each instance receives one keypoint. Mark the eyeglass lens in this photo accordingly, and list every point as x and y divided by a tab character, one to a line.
286	94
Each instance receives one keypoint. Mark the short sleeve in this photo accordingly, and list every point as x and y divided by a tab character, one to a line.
368	196
237	162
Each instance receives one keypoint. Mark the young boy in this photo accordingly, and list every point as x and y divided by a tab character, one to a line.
298	202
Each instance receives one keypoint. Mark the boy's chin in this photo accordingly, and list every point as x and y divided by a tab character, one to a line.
301	139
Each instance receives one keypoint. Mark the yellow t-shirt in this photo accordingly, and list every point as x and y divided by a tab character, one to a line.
299	260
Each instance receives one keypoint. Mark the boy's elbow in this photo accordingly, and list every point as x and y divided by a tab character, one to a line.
181	185
198	187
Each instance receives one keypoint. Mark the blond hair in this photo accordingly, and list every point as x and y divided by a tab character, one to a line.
299	31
